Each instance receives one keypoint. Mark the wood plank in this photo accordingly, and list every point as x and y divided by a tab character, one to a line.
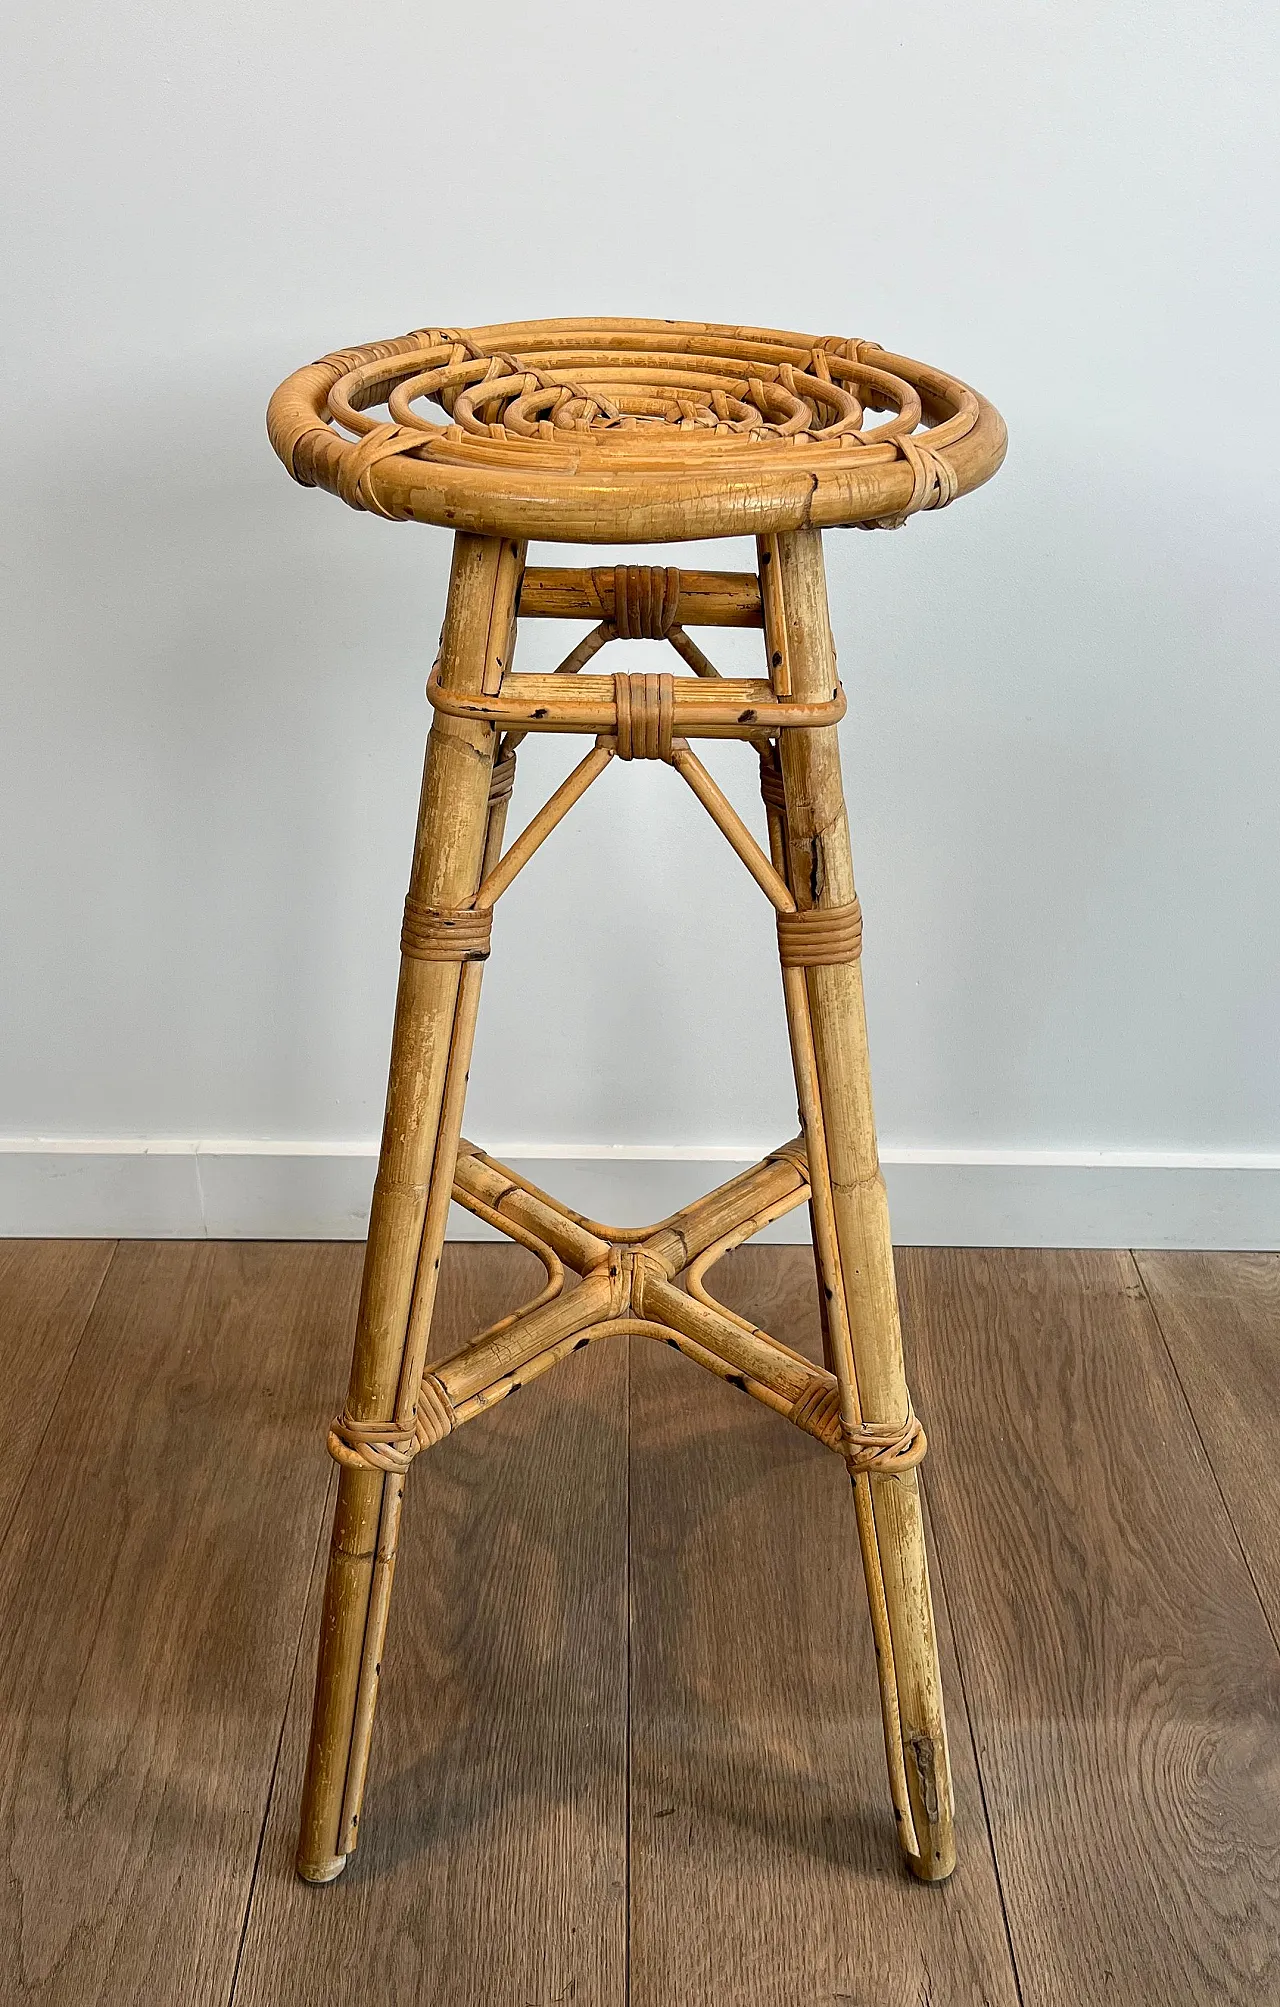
47	1290
1122	1682
153	1585
764	1863
492	1862
1220	1317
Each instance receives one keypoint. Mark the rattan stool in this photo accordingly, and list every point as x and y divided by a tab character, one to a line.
606	432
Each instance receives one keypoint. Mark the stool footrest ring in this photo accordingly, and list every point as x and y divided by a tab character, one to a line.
719	707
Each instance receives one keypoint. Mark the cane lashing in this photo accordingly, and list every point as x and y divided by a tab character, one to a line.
885	1449
389	1446
772	793
457	934
503	778
355	471
645	598
646	716
934	483
611	429
821	937
818	1412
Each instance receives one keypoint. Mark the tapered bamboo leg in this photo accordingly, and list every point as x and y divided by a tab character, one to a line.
435	1015
824	1309
780	853
890	1521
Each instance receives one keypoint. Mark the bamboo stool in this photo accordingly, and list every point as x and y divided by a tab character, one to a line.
630	431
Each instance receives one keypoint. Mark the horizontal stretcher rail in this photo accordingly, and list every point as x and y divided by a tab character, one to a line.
723	708
705	598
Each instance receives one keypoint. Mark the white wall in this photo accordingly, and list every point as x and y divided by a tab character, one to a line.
1064	700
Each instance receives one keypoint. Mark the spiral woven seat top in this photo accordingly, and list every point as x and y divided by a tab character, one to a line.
604	431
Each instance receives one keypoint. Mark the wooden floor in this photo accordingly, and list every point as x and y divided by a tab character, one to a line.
629	1744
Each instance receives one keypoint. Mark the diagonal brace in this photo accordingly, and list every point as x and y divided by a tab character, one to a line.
627	1287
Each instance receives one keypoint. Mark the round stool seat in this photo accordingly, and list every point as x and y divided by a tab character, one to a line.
610	431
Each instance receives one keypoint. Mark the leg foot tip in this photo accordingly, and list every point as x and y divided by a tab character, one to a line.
931	1867
321	1871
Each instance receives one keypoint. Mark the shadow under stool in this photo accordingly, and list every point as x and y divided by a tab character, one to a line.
630	432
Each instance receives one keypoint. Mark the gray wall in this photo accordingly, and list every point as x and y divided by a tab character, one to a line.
1061	747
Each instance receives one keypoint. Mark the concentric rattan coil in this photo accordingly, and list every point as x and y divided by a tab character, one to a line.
602	430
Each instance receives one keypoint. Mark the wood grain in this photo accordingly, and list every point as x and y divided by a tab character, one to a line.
492	1867
153	1586
47	1290
1117	1666
1121	1679
1220	1318
765	1868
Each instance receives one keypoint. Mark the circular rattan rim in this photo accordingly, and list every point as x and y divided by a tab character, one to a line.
601	431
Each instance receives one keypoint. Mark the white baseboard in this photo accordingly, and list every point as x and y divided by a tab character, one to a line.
234	1190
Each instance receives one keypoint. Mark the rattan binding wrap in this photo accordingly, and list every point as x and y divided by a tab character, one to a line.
646	715
820	937
504	778
390	1446
883	1448
644	599
457	935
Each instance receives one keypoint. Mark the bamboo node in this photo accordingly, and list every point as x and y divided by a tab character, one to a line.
390	1447
885	1448
821	937
646	706
445	934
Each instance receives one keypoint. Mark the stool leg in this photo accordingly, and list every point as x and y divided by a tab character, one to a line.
780	858
889	1506
435	1014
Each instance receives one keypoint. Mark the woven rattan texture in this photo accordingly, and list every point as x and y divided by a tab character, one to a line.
595	431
